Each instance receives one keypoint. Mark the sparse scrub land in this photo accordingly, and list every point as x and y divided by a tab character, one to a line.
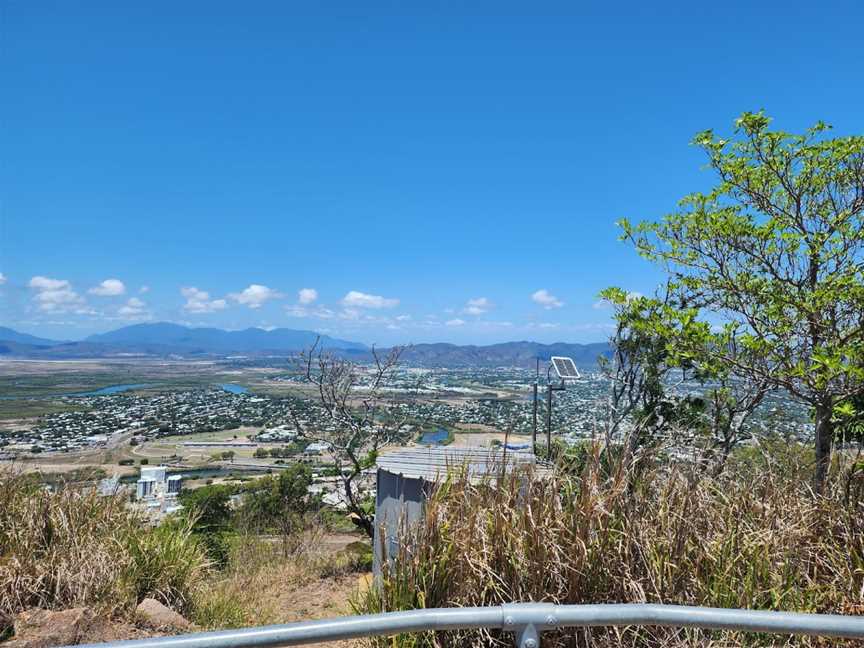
73	548
595	531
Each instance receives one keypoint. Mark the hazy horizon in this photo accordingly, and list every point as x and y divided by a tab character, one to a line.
271	328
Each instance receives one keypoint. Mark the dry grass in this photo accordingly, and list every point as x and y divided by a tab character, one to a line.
74	548
752	539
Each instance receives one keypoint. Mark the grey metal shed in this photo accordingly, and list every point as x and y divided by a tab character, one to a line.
404	479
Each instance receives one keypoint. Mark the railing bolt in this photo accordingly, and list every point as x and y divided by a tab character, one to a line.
508	621
530	643
551	620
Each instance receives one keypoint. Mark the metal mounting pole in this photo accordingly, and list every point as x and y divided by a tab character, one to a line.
534	428
528	637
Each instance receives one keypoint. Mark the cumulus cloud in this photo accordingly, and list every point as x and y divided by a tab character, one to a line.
46	283
108	288
307	295
477	306
455	322
56	295
255	295
134	308
198	301
2	279
546	299
357	299
144	289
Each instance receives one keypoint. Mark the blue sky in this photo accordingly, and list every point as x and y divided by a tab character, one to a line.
423	170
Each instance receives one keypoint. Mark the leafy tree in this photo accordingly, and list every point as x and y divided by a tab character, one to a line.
775	252
208	514
279	502
659	348
208	505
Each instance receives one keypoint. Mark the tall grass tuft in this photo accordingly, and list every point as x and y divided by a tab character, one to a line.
604	534
74	548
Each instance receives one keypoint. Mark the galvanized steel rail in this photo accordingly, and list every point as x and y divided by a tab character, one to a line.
527	621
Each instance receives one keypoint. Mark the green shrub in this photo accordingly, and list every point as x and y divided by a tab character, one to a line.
167	563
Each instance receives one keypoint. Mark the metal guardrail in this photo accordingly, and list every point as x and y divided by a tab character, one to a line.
527	621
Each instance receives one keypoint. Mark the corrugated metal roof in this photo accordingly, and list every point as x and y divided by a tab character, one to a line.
433	463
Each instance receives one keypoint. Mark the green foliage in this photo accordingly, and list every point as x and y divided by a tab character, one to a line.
208	507
774	251
166	563
357	557
848	419
278	501
208	514
290	450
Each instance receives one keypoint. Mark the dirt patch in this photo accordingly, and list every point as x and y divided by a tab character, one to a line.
319	599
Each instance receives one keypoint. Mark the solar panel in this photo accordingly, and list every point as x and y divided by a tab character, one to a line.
565	368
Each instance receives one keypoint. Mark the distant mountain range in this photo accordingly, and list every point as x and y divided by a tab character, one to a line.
166	339
163	339
11	335
212	340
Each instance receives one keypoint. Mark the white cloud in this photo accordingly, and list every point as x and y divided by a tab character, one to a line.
477	306
56	295
46	283
134	308
2	279
454	322
403	318
357	299
198	301
295	310
108	288
546	299
144	289
307	295
255	295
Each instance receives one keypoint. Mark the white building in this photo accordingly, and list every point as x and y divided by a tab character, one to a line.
154	485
